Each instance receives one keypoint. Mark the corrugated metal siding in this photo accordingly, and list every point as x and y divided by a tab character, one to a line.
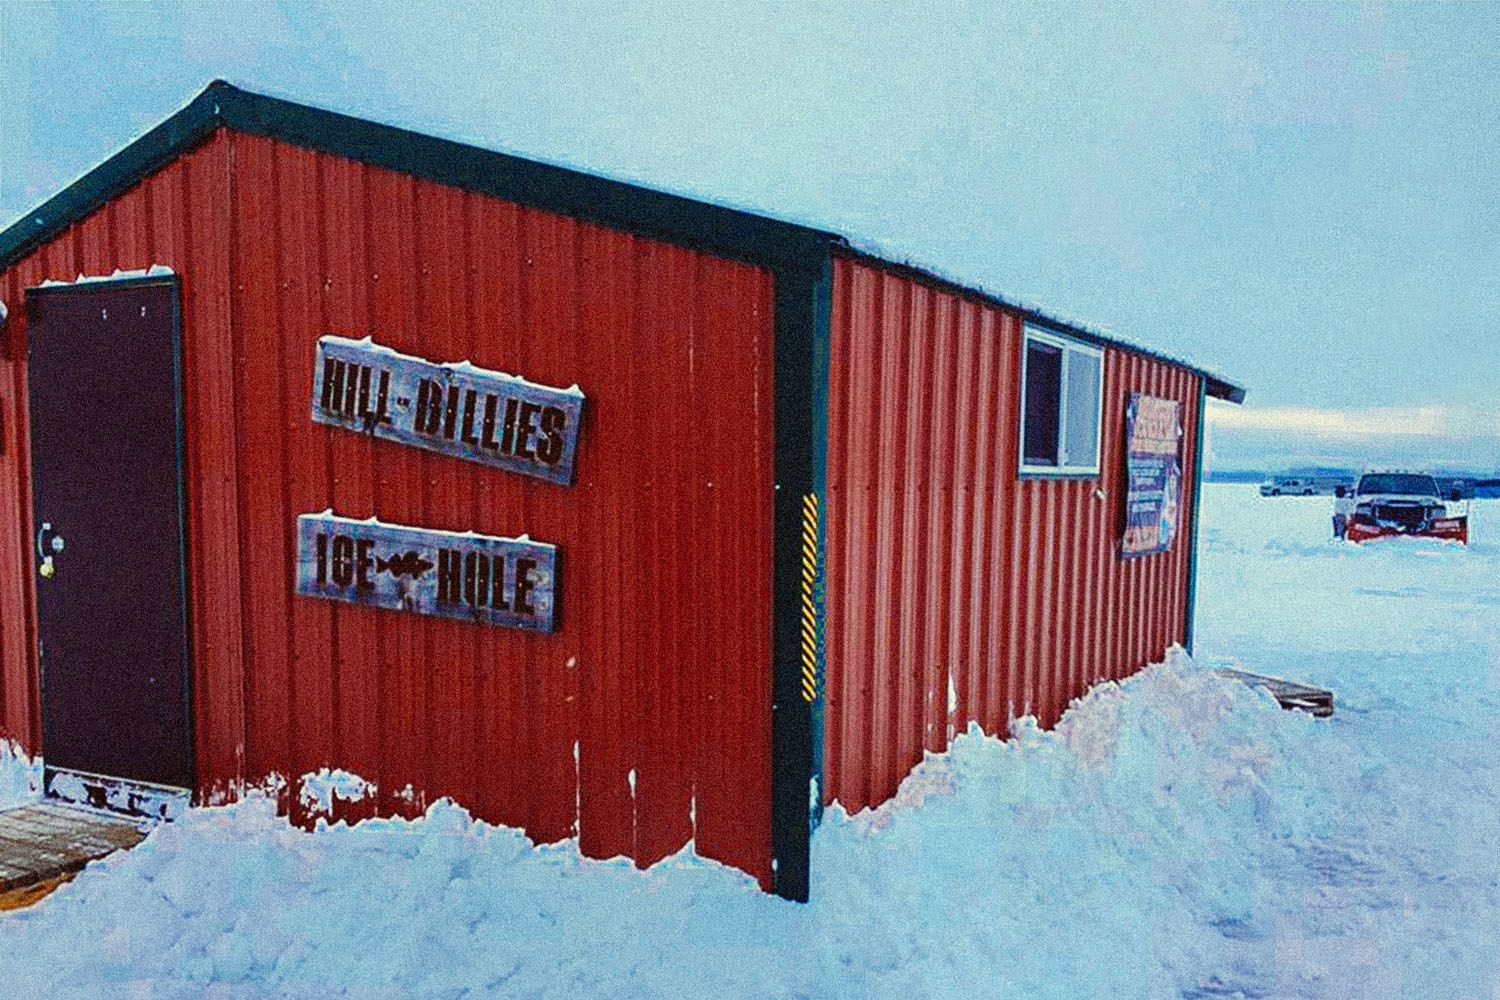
947	572
661	666
19	707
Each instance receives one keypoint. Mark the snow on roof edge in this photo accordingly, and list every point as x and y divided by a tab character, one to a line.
873	250
120	274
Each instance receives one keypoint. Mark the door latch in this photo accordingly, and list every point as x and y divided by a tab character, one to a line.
47	567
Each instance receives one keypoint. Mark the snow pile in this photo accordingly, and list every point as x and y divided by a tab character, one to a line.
431	907
1118	851
20	776
1140	819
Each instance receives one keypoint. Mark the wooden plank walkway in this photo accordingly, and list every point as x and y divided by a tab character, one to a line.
43	844
1288	693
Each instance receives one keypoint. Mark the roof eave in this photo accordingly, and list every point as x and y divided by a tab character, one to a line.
184	130
684	221
1220	389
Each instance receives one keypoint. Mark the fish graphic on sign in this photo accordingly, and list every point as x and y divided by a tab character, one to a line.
405	564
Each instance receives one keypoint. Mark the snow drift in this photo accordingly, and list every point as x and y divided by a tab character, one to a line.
1140	815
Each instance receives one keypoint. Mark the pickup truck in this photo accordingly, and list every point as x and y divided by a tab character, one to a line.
1402	503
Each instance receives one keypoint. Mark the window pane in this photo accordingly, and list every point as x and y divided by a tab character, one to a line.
1081	437
1043	394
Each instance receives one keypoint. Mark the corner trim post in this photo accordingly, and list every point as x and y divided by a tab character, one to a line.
803	298
1200	431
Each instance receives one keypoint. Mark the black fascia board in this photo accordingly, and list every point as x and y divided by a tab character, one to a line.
181	132
619	205
1220	389
1214	385
724	232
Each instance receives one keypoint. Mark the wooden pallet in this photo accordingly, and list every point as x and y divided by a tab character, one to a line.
1287	693
44	844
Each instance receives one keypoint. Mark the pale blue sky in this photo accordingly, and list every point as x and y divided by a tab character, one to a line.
1303	197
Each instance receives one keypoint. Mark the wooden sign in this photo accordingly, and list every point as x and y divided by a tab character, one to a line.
485	579
456	409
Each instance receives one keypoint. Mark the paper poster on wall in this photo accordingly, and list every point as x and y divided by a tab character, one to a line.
484	579
1153	465
456	409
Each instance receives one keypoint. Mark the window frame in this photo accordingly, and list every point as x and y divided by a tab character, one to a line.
1068	347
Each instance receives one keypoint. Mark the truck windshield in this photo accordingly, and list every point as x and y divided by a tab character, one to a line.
1390	482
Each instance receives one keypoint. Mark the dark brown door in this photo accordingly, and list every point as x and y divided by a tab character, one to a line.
106	476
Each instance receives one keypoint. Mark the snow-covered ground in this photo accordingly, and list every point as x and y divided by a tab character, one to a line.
1178	836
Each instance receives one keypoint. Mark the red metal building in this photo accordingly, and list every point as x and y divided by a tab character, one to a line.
766	413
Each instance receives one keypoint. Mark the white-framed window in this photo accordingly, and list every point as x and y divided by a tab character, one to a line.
1062	404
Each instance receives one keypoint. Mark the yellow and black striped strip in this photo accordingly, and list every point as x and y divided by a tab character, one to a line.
811	620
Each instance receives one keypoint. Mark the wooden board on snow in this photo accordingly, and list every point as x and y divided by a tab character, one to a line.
1288	693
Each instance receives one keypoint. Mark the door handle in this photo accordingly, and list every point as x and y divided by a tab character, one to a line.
46	566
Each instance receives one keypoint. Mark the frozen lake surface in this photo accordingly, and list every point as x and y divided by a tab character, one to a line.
1178	836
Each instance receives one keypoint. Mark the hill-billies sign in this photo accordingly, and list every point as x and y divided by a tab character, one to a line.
456	409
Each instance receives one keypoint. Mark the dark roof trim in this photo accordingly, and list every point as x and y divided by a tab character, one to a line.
699	225
723	231
146	155
1214	385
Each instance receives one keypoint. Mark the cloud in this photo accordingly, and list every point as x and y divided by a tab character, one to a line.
1429	437
1360	422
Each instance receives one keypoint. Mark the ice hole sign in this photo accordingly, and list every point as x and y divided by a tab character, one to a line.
510	582
457	409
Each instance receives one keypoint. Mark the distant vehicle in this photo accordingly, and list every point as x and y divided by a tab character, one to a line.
1401	503
1304	486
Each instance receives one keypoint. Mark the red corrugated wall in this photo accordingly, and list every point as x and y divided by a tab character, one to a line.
945	568
20	709
661	668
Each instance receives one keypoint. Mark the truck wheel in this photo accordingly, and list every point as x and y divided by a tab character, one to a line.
1276	493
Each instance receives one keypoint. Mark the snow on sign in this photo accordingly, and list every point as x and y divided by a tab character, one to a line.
1152	431
457	409
480	578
